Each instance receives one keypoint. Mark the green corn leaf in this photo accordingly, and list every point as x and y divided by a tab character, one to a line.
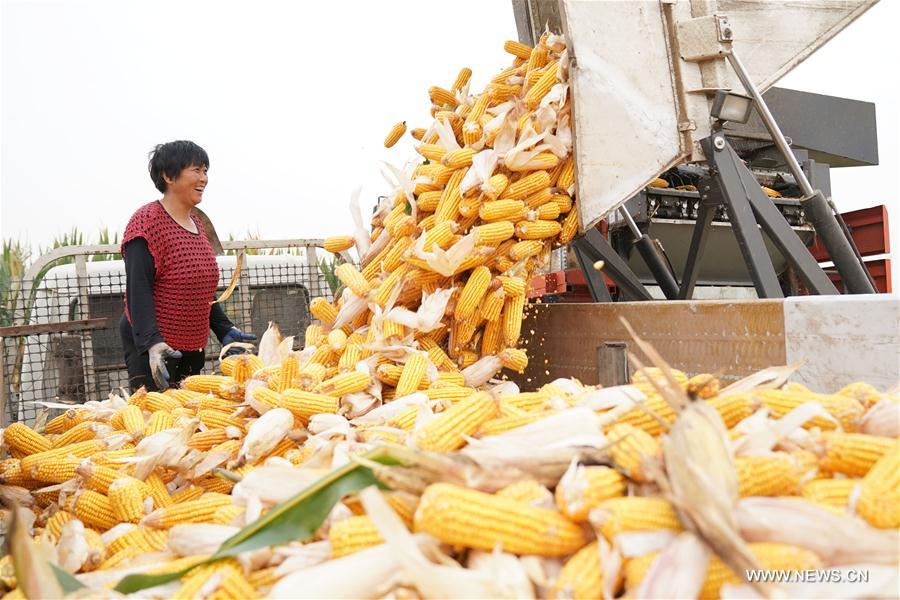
66	581
297	518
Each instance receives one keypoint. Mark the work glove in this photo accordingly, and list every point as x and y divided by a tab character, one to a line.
158	354
236	335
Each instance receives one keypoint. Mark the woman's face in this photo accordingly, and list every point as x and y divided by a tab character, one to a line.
189	184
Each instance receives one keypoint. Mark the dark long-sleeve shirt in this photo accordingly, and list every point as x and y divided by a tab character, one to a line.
140	272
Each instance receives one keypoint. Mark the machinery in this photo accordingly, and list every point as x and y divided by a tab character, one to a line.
674	90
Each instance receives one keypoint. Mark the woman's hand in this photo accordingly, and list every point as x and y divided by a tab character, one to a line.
158	355
236	335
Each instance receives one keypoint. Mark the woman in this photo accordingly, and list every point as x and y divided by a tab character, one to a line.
171	276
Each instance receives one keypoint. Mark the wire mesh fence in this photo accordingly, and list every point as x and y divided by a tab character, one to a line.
63	343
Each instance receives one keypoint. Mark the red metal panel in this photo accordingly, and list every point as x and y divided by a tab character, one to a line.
880	270
870	231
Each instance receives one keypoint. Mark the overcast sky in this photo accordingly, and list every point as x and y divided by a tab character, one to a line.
291	100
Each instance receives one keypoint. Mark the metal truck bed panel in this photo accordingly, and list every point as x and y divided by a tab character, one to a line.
839	339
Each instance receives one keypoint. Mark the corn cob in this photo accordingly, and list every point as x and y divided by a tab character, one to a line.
126	498
158	421
537	230
771	557
393	135
642	419
581	576
775	475
412	374
503	210
79	450
513	308
65	421
94	509
352	535
732	409
204	440
585	488
833	492
445	432
24	439
304	405
193	511
345	383
854	453
465	517
632	447
56	471
634	513
323	310
55	523
187	494
517	49
879	499
847	411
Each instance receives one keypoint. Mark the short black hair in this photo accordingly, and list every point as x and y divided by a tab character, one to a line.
172	158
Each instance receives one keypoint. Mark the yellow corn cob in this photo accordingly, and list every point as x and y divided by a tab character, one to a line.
207	384
313	335
304	404
514	359
634	513
503	210
115	559
771	557
450	393
141	538
440	235
345	383
517	49
193	511
775	475
472	133
55	523
218	419
351	355
126	498
393	135
95	510
473	292
204	440
586	488
566	175
640	418
133	419
323	310
854	453
187	494
833	492
77	450
733	408
879	499
66	421
526	186
632	446
569	228
56	471
225	515
158	421
112	458
432	152
461	79
440	96
525	490
448	205
537	230
495	186
847	411
268	398
12	474
458	159
492	234
525	249
464	517
428	201
563	202
24	439
545	212
158	491
412	374
155	401
528	401
235	585
445	432
352	535
502	424
545	81
512	319
82	432
865	393
491	338
513	286
581	577
353	279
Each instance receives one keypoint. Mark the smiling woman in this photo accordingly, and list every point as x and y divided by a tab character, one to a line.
171	275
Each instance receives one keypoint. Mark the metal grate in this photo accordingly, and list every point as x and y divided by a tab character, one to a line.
67	347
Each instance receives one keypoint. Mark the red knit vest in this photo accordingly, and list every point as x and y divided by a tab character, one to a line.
186	275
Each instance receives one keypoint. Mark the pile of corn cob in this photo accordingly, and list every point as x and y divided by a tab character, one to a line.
565	491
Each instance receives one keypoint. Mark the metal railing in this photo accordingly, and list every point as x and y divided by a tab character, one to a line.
63	344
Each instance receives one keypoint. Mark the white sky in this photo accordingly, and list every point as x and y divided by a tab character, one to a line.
292	101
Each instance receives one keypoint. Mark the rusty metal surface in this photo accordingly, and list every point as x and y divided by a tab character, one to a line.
734	338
